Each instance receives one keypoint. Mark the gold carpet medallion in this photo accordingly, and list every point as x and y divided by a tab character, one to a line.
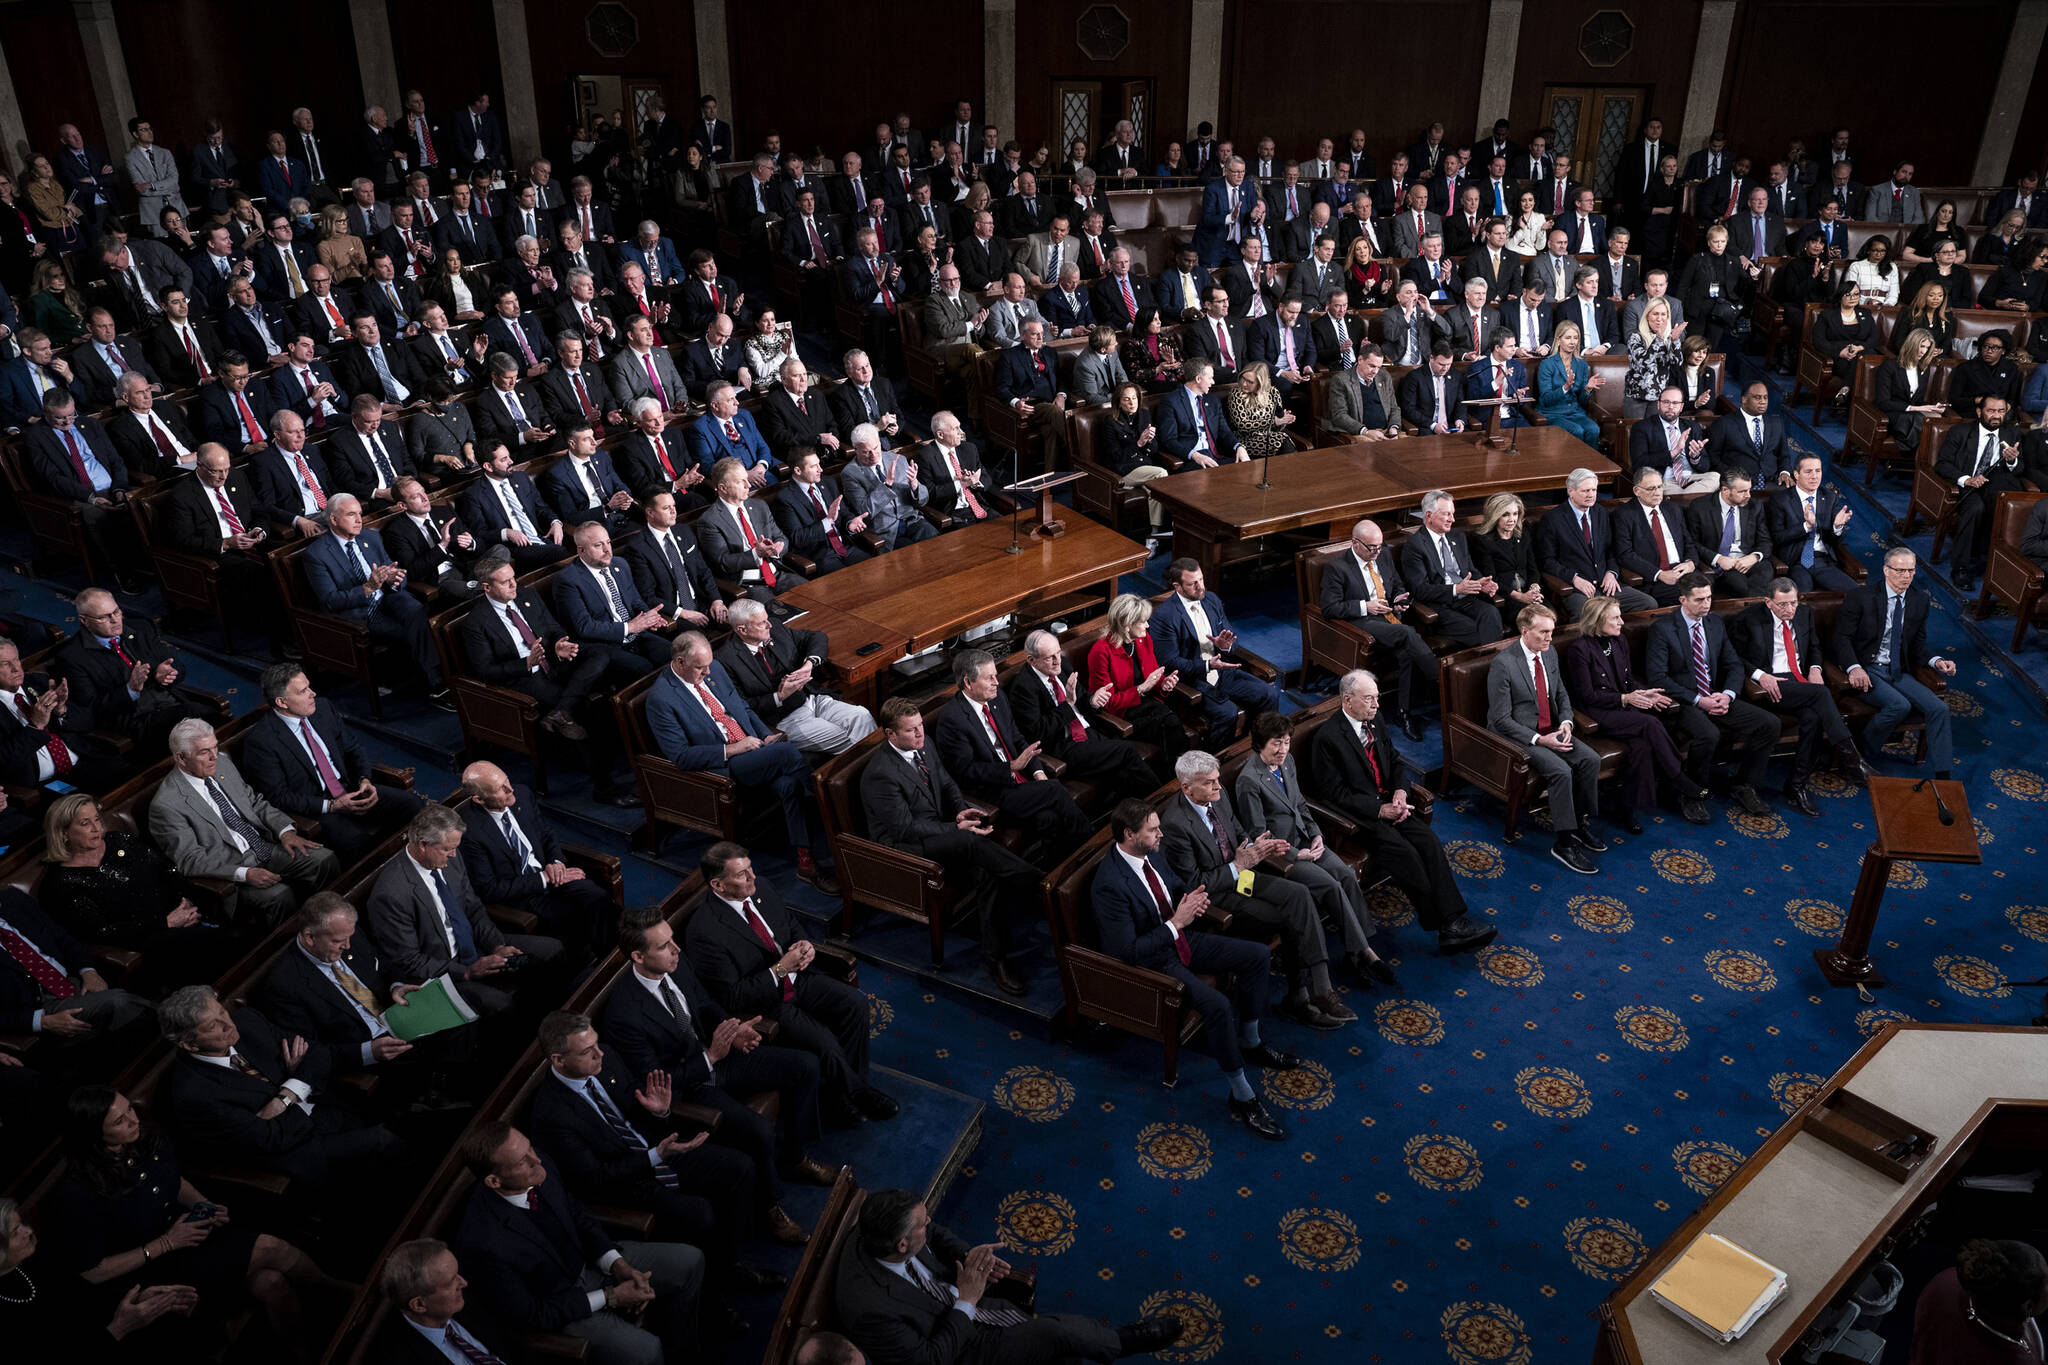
1474	858
1413	1022
1868	1022
2020	784
1686	869
1308	1086
1651	1028
1202	1336
2030	920
1552	1092
1600	914
1486	1334
1035	1223
1770	826
1907	876
1739	970
1972	976
1794	1088
1705	1166
1962	703
1389	908
1509	965
1032	1092
1822	919
881	1014
1322	1240
1605	1248
1440	1162
1174	1151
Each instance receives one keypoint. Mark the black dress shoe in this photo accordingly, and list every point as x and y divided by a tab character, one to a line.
1588	840
1253	1115
1464	934
1694	810
1272	1058
759	1279
1571	857
1629	822
1801	800
1149	1334
1007	980
1378	970
1410	726
876	1104
1305	1013
560	722
442	701
811	1171
1751	803
1962	580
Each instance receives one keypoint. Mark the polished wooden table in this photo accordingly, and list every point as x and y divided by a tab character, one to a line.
924	594
1216	509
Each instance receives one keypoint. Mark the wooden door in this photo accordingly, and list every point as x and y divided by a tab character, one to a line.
1594	124
1136	104
1076	113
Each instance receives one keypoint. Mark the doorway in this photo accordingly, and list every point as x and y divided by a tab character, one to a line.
1593	124
1082	109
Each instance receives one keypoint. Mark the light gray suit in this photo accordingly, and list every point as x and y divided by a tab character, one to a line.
1545	269
891	508
1038	248
1877	205
1096	376
154	166
188	827
948	322
1571	778
1344	412
406	921
1406	243
1279	807
629	377
1005	325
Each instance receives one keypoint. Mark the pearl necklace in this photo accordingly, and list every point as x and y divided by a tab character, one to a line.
7	1298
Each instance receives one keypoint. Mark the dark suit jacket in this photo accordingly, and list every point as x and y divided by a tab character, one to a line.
1338	773
583	604
167	356
99	680
1730	447
1417	395
1634	546
1344	587
1199	337
276	764
647	1038
1191	851
1742	235
354	374
420	557
759	675
488	649
1668	657
1511	318
786	424
1705	516
494	424
139	450
1178	434
643	470
655	576
1574	309
213	1108
484	514
730	962
1425	575
801	518
1646	447
1785	521
1501	283
355	466
19	993
1754	632
300	998
894	1320
19	744
700	369
494	870
524	1263
1859	629
50	466
94	378
598	1163
902	810
848	411
963	744
1108	300
1018	374
186	519
1038	718
1264	338
565	491
1561	546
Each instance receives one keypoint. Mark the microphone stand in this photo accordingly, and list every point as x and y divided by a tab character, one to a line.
1941	810
1265	461
1016	477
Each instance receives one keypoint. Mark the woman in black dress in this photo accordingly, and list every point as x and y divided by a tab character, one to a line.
47	1315
1600	678
1503	550
118	888
2021	284
1661	202
921	261
1843	333
1941	226
1903	387
1928	311
1151	354
1129	445
124	1214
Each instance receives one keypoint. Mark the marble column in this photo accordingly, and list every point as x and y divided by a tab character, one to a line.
2009	98
515	63
1709	68
377	57
999	66
1497	76
714	73
1205	71
108	68
13	128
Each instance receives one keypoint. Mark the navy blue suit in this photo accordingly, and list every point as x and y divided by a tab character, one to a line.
1176	644
684	732
565	491
276	763
1018	374
273	279
1179	434
500	330
336	582
585	607
1479	384
19	404
277	485
1131	927
708	443
580	913
1212	238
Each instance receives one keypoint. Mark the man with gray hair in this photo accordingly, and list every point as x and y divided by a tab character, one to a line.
776	670
995	764
244	1092
1053	711
1205	848
123	676
883	487
423	911
213	824
423	1282
1438	567
1577	542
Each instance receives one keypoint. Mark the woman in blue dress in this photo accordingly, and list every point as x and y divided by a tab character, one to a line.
1565	385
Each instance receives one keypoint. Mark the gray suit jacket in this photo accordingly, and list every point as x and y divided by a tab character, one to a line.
948	322
1406	243
1301	283
1038	246
1393	333
1005	325
1096	376
1511	694
1345	413
1191	850
1544	270
1282	813
1877	205
186	825
886	506
629	377
403	918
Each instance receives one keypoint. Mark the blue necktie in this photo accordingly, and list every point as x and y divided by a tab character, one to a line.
611	587
1806	555
458	923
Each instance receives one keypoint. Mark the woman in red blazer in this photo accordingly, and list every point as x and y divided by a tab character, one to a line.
1125	679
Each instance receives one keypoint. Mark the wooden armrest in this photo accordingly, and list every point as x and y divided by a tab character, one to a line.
513	921
869	541
636	1224
700	1115
122	960
1117	724
17	1043
1056	767
836	962
364	1083
385	776
219	886
1423	613
1334	822
1259	668
1213	921
272	1183
600	867
556	1345
805	566
1932	680
767	1029
1422	798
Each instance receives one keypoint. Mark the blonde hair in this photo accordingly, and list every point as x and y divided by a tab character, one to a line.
1912	351
1717	233
1591	613
1498	506
1257	379
57	824
333	222
1643	322
1129	614
1561	331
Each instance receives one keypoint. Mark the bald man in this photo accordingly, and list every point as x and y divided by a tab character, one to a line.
514	859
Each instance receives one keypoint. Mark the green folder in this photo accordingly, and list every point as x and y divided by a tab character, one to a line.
431	1008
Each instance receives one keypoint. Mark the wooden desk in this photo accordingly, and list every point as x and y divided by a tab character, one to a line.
1333	486
846	633
924	594
1815	1212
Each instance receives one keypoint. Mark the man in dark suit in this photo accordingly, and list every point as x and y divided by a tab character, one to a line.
754	959
1653	539
1497	374
1531	318
1283	341
1191	424
1599	327
70	456
1351	764
1429	394
503	508
293	483
350	575
101	357
669	569
978	739
1881	642
1491	262
511	639
369	364
1980	460
604	611
215	516
913	803
1806	526
1576	542
1785	196
1777	641
512	412
903	1277
1338	333
1728	529
49	987
539	1260
41	739
305	760
714	357
1191	635
122	675
182	348
584	487
820	526
1673	444
1365	588
437	552
1471	321
1437	566
150	436
245	1093
1756	231
423	1282
1120	295
1051	710
1226	354
1688	657
1752	440
365	458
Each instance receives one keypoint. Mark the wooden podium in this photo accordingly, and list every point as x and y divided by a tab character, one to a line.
1049	523
1908	826
1491	431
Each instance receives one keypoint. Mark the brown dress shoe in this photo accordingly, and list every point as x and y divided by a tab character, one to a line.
782	1229
1332	1006
811	1171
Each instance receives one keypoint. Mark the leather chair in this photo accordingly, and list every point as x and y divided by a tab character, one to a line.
2009	575
1100	493
1869	432
329	642
707	802
1816	371
56	526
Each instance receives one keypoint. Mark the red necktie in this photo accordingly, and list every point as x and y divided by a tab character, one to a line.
1791	650
227	512
333	314
760	927
306	473
989	713
1586	529
732	433
46	973
723	719
526	635
973	503
831	534
1075	729
115	361
1158	890
248	419
319	417
1372	758
1130	301
1418	231
588	233
1663	545
192	353
77	460
754	543
60	757
583	398
1542	698
320	761
122	654
1223	346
